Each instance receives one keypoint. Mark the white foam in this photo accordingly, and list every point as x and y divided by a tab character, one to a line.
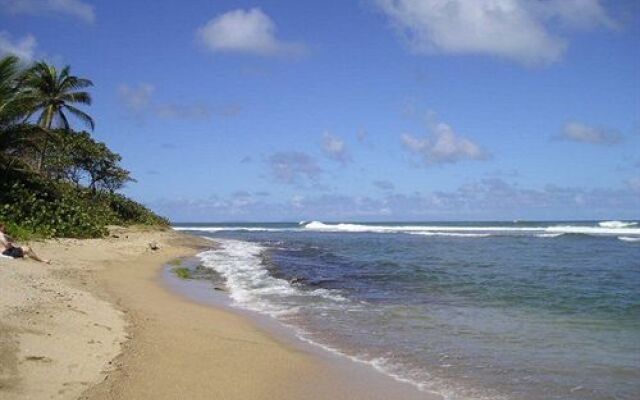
592	230
319	226
548	235
250	284
629	239
252	287
616	224
421	380
605	228
426	229
227	228
452	234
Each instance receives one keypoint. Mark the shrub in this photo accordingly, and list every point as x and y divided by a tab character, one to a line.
33	206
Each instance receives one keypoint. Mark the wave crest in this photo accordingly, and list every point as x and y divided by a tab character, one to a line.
616	224
629	239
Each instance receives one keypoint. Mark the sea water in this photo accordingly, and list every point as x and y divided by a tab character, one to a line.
544	310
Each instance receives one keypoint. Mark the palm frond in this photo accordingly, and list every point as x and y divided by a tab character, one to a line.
76	97
81	115
64	120
74	83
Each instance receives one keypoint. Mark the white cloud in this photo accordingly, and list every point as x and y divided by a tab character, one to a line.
73	8
583	14
514	29
139	101
334	148
443	145
292	167
23	48
579	132
485	199
138	98
245	31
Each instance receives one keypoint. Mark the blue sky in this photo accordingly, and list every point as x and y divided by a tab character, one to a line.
357	110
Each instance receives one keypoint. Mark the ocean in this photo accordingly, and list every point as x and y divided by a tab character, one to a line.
475	310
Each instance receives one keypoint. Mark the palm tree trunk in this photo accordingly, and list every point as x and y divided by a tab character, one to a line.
46	126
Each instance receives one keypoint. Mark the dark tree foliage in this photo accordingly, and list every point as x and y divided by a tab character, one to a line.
78	158
55	181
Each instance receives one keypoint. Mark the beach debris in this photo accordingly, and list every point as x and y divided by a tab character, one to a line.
154	246
38	358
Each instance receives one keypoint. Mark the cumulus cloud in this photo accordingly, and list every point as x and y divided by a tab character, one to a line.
140	102
579	132
245	31
335	149
518	30
293	167
72	8
581	14
23	48
443	145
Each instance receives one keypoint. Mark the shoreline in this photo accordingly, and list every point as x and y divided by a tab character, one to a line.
105	328
361	376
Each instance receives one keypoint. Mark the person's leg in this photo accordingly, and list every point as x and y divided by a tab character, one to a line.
28	251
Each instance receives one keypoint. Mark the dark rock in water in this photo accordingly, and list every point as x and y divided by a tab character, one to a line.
297	280
220	289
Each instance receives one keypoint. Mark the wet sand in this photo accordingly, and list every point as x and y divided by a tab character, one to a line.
99	324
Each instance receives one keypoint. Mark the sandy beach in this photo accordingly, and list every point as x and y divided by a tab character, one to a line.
98	324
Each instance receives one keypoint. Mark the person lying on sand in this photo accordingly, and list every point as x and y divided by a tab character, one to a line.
10	250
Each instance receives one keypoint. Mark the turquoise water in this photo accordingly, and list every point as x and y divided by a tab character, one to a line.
544	310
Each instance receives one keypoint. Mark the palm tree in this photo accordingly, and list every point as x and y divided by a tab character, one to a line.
9	110
51	94
15	136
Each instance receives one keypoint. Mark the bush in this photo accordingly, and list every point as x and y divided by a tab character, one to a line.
33	206
128	212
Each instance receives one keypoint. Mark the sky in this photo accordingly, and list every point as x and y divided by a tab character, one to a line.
363	110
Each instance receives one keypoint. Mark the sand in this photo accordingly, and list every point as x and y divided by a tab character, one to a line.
99	324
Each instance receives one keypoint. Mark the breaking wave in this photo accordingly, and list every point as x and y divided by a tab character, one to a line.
452	234
616	224
548	235
436	229
228	228
250	284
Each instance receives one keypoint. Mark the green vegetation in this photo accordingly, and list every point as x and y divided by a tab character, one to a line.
54	181
182	272
176	263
